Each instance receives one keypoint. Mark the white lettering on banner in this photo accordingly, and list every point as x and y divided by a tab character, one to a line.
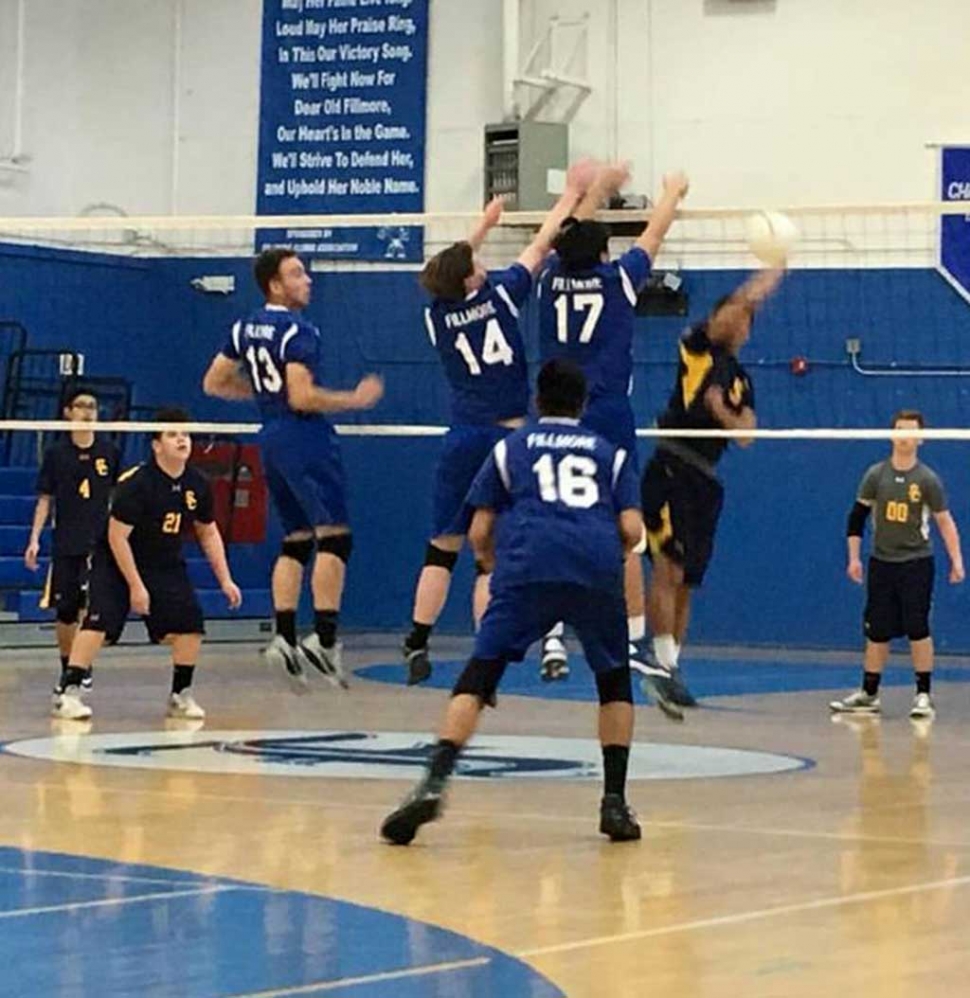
958	190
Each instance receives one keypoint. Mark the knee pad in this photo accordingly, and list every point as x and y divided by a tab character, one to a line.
480	569
614	686
439	558
480	678
300	550
339	545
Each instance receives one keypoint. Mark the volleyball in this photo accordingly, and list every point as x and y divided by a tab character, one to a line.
771	236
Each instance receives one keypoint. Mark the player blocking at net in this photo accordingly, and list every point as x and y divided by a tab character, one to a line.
138	565
473	323
275	357
901	493
556	511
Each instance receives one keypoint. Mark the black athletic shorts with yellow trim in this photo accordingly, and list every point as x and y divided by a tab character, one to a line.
681	507
66	587
173	605
899	597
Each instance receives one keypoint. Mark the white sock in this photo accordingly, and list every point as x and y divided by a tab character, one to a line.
637	626
677	647
664	648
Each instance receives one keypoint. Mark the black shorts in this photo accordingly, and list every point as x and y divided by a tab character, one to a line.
173	605
66	587
681	507
899	596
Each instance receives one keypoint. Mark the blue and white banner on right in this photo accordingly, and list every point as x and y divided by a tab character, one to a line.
955	229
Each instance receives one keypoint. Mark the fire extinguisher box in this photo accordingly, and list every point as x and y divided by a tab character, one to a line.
235	473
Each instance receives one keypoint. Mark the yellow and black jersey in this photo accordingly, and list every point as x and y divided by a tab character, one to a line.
704	364
158	507
79	480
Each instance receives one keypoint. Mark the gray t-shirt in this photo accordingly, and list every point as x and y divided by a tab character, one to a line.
901	505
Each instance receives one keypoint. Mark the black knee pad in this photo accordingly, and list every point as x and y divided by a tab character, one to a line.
480	569
439	558
339	545
615	686
300	550
480	678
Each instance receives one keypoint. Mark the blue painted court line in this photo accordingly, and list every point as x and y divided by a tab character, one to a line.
706	677
72	927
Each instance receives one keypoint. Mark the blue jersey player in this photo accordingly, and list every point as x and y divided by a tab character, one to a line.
557	508
473	323
586	314
274	356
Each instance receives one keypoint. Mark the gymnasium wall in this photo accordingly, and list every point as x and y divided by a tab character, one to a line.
151	105
778	574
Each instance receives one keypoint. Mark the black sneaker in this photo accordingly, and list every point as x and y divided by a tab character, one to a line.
679	693
418	663
657	685
618	820
422	805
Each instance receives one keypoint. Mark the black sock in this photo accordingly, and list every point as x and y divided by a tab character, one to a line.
615	759
286	626
418	638
73	675
870	682
65	662
923	680
182	678
326	626
443	758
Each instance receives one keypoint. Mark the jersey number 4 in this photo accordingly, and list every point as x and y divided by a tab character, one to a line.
572	481
266	375
591	305
495	349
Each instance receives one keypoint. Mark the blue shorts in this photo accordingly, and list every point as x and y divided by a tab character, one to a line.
518	616
466	449
611	416
304	474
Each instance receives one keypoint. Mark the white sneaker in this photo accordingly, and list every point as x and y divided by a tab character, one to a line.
70	707
922	706
858	702
327	661
289	660
184	705
554	660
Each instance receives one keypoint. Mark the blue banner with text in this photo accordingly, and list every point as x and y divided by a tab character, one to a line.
955	229
343	97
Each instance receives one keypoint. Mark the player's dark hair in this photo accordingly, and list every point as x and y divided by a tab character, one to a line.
581	244
267	265
912	415
561	389
444	274
75	392
170	414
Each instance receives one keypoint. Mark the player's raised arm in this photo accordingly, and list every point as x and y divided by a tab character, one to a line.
756	289
305	396
675	186
579	177
490	218
607	180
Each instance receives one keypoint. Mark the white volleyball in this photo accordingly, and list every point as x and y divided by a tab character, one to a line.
771	236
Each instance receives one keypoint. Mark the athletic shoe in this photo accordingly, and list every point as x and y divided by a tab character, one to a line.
327	661
656	682
70	707
184	705
554	662
618	820
418	663
679	692
922	707
422	805
283	656
858	702
87	683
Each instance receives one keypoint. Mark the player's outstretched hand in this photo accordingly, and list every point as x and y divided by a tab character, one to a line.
854	571
140	600
676	183
233	595
581	174
493	211
30	555
369	391
957	574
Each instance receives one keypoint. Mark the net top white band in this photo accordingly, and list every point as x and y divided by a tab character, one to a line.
404	430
